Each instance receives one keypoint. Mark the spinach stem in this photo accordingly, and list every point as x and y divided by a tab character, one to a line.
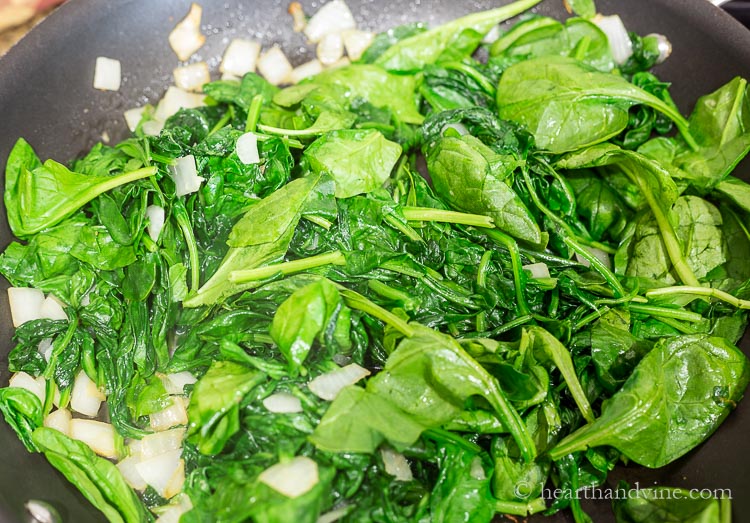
403	228
666	312
519	508
445	435
597	265
318	220
180	214
484	265
390	293
427	214
704	292
223	121
519	276
59	348
595	315
472	73
356	301
290	267
253	113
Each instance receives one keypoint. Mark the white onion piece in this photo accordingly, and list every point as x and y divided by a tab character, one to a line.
174	100
477	469
492	35
599	254
327	386
155	215
86	397
45	348
330	49
192	77
129	471
23	380
356	42
186	37
133	117
282	403
25	304
165	473
396	464
230	76
172	416
664	46
298	15
340	63
152	445
185	174
173	511
458	127
305	70
175	383
100	436
274	66
292	478
59	420
107	74
537	270
619	41
240	57
52	308
247	149
332	18
333	515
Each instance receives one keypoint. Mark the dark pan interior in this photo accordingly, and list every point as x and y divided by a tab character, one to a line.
46	96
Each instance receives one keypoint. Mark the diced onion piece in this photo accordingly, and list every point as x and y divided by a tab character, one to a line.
23	380
298	15
186	37
152	127
52	309
165	473
41	511
25	304
107	74
172	416
492	35
332	18
274	66
86	397
305	70
100	436
59	420
537	270
664	46
330	49
175	383
158	443
192	77
45	348
477	469
619	40
174	100
173	512
247	148
155	215
327	386
396	464
334	515
356	42
129	471
282	403
599	254
292	478
230	76
186	179
340	63
240	57
133	117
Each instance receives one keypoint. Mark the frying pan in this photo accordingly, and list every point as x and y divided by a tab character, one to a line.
46	96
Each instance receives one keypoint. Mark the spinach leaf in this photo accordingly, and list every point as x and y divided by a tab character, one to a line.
666	504
386	39
736	191
676	397
241	93
22	410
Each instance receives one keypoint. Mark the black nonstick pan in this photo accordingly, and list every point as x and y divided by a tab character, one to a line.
46	96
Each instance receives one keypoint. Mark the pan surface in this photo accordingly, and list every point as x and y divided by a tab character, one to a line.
46	96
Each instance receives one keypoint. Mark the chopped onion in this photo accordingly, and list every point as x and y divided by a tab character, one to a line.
100	436
247	148
619	40
356	42
133	117
45	348
330	49
396	464
174	100
292	478
165	473
152	445
664	46
305	70
334	515
186	37
42	512
52	309
25	304
155	215
240	57
86	397
282	403
327	386
23	380
230	76
477	469
274	66
152	127
599	254
175	383
192	77
340	63
107	74
173	511
59	420
537	270
332	18
298	15
186	179
129	471
172	416
492	35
